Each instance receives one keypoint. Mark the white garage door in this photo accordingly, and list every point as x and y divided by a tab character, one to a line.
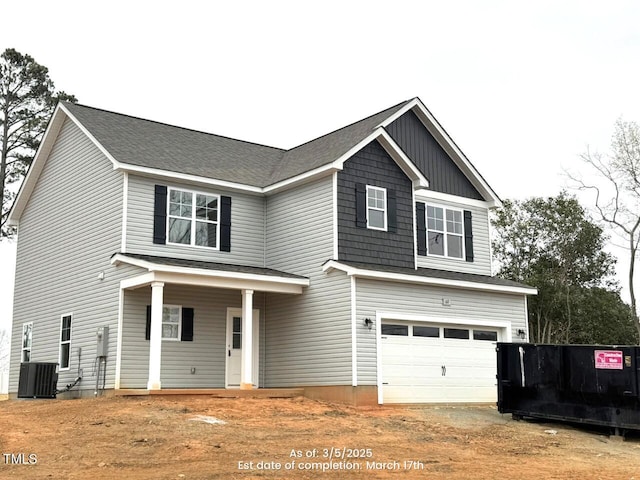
426	363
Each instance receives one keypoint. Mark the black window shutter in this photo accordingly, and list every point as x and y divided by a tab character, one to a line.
147	333
421	227
187	324
225	224
361	205
160	215
468	236
392	222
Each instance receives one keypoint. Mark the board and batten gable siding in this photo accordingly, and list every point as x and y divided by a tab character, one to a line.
471	305
247	225
430	158
308	336
373	166
68	231
481	264
207	352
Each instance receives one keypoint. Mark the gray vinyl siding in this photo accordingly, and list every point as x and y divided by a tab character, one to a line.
207	352
308	339
379	296
247	226
69	229
481	242
427	154
373	166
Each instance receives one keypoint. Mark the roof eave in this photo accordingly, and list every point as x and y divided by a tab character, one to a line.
434	281
158	267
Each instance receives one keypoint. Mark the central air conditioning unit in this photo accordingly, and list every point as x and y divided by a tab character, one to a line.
38	380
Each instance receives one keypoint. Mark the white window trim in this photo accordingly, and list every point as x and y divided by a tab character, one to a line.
193	218
23	348
62	342
445	233
384	210
171	339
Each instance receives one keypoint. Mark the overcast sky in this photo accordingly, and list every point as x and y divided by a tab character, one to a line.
521	87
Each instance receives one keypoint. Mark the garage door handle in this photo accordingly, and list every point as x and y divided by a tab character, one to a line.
444	371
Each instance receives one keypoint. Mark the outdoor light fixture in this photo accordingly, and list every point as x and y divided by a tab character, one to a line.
522	334
368	323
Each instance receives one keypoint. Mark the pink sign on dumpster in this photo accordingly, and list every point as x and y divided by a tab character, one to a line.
608	359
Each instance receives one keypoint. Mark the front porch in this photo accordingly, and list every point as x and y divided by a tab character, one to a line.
204	326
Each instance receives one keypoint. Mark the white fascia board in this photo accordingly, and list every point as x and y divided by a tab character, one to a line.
405	164
196	280
202	272
447	143
185	177
392	148
439	282
387	143
424	195
90	136
311	175
40	158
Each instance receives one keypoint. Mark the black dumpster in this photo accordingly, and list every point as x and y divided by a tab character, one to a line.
597	385
37	380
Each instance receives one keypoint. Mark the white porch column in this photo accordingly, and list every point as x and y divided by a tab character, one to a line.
155	344
246	365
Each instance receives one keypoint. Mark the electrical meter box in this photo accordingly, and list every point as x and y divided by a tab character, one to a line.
102	341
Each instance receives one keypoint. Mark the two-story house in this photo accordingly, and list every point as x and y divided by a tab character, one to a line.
357	265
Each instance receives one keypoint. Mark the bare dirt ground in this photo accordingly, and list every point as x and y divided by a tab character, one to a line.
158	438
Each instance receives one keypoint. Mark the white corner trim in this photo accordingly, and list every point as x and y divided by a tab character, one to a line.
526	318
415	230
354	334
379	358
125	209
119	338
441	282
335	214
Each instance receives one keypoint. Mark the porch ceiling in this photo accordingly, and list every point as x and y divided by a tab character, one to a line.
208	274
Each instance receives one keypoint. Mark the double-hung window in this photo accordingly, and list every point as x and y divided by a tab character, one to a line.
193	218
445	232
65	341
27	337
171	322
376	208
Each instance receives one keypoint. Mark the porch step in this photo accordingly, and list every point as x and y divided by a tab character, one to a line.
218	392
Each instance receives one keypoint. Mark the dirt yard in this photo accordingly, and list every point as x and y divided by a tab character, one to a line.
166	438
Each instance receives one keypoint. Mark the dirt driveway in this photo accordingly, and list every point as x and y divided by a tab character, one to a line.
169	438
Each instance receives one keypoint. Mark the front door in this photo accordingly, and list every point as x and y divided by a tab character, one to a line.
234	346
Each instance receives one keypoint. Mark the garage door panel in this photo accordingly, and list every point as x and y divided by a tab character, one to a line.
412	367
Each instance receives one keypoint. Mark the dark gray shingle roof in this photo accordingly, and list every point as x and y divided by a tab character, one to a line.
181	262
146	143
